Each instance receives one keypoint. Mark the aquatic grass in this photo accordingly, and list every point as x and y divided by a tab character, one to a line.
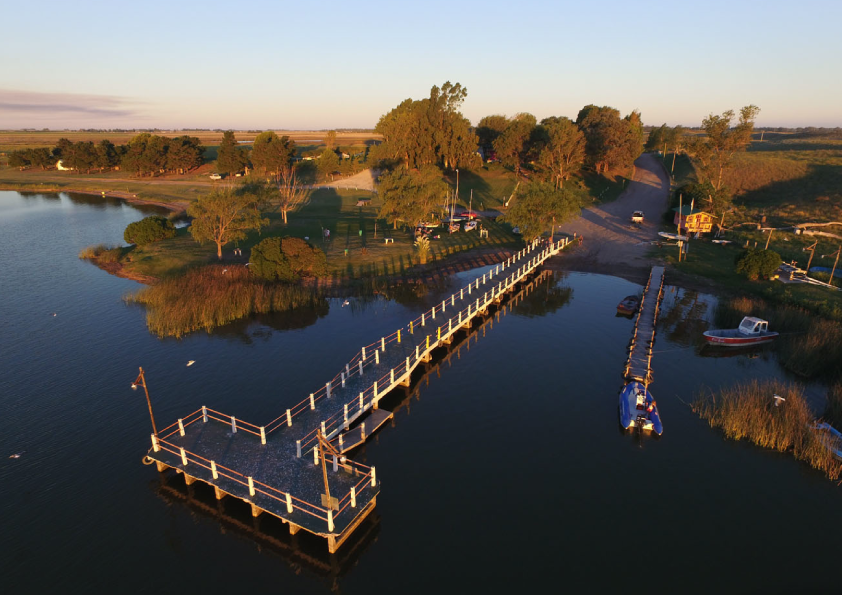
748	411
214	295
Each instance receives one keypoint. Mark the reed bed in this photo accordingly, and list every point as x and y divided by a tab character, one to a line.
748	411
809	346
211	296
101	253
833	409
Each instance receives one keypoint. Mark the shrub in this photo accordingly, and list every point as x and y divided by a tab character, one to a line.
756	264
286	259
148	230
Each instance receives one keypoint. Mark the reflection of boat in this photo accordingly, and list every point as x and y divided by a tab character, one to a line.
628	305
638	409
831	437
749	351
752	331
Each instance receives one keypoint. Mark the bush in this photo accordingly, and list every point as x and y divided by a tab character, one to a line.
148	230
286	259
756	264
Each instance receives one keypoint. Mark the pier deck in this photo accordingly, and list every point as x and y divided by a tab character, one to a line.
276	467
639	363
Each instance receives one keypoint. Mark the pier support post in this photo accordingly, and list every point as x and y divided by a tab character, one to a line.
155	446
189	479
289	505
293	529
263	429
161	467
256	510
204	414
183	456
180	427
214	472
218	493
233	425
353	497
298	448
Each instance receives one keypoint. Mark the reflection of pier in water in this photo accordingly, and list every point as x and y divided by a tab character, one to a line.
302	552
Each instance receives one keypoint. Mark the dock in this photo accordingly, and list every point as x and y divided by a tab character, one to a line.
295	467
639	364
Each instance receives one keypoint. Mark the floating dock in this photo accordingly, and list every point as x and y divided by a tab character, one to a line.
295	467
639	364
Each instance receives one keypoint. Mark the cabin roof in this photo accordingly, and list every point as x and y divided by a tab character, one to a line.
751	320
685	210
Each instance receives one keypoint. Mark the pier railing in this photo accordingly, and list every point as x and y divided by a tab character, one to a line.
446	321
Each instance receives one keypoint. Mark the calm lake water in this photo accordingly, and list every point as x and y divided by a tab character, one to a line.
536	488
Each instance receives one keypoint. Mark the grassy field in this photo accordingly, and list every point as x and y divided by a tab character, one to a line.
789	180
351	227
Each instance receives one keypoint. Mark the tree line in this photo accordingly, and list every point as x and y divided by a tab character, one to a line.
145	154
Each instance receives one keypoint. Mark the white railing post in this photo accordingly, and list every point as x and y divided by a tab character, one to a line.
343	379
233	425
392	376
361	402
353	497
327	389
289	503
363	357
422	319
361	367
204	414
316	455
335	464
214	472
312	402
298	449
330	525
345	414
183	456
323	429
383	344
263	433
180	427
251	487
373	478
289	418
377	357
155	446
362	431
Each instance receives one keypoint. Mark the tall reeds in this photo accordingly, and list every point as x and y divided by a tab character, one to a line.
208	297
833	410
101	253
749	411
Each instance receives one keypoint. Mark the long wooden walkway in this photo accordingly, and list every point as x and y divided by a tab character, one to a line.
639	364
279	467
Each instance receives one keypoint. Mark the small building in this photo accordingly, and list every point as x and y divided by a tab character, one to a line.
692	220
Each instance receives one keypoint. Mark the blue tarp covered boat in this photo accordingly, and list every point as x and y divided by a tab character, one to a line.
831	437
638	409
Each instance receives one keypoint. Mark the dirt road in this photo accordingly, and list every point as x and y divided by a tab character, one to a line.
611	243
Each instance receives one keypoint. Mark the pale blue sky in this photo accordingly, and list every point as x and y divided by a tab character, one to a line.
322	64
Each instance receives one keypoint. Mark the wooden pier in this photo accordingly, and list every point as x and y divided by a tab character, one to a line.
639	364
295	467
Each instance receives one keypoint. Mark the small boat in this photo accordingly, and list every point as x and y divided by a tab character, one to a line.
470	225
638	409
752	331
831	437
673	236
628	305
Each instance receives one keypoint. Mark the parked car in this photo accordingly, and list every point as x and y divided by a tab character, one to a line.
215	176
637	217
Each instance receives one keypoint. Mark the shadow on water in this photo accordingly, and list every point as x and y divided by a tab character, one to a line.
261	326
267	533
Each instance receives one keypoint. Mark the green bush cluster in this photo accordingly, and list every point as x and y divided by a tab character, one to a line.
148	230
286	259
757	264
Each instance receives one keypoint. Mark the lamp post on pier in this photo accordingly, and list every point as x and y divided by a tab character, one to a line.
141	379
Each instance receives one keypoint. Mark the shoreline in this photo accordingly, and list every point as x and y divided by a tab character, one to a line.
174	206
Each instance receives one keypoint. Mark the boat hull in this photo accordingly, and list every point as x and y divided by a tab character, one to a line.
631	417
715	338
